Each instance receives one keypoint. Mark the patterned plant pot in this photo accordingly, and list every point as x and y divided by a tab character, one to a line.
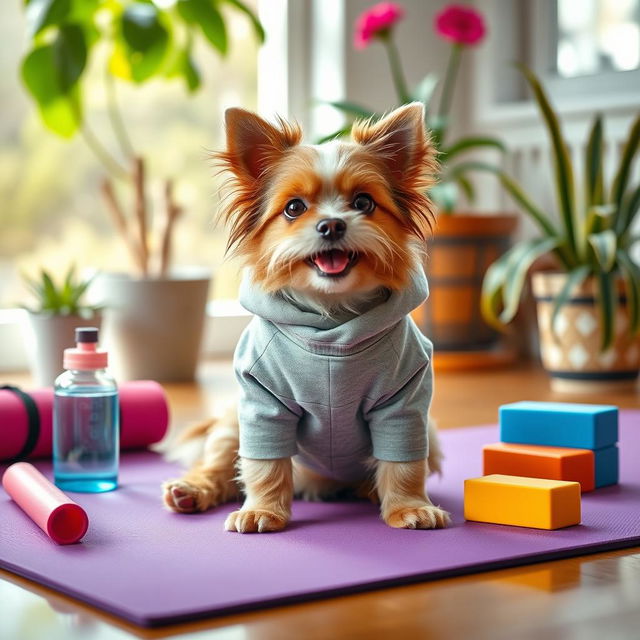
573	358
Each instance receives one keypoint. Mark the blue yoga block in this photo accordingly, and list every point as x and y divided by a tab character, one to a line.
559	424
607	465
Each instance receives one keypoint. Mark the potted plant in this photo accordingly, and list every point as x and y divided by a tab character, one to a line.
153	320
53	320
464	245
589	304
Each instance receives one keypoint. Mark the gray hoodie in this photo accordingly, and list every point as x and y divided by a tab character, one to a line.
334	391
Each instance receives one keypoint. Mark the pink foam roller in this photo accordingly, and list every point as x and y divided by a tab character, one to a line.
144	413
56	514
144	418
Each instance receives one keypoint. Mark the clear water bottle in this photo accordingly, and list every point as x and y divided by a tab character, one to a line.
85	419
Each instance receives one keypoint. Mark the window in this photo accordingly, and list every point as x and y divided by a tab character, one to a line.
604	35
52	214
586	53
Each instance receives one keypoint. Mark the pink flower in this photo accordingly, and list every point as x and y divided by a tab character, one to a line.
460	24
376	21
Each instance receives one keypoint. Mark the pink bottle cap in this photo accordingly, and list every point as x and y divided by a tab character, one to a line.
86	354
64	521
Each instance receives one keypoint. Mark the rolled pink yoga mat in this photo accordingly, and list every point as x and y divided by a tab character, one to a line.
64	521
144	414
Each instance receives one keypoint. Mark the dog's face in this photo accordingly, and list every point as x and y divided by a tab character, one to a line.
336	219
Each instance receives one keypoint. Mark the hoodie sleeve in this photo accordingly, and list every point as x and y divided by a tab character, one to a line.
398	424
267	426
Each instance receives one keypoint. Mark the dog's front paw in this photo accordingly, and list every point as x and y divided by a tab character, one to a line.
255	521
418	517
183	497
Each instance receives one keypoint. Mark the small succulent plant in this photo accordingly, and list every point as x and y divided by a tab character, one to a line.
64	299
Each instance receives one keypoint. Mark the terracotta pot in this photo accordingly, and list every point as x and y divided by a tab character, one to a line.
462	249
153	327
46	337
573	359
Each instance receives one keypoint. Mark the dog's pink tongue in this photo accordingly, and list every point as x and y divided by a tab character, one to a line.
333	261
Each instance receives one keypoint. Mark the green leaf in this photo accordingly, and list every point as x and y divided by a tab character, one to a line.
561	158
437	124
83	11
467	144
514	190
143	44
599	218
70	55
444	195
191	74
49	290
59	108
205	15
575	278
423	91
622	176
467	187
257	25
594	173
505	278
631	274
41	14
184	67
604	245
627	211
521	258
353	109
607	305
491	296
340	133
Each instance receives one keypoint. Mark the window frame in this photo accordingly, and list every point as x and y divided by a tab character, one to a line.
610	91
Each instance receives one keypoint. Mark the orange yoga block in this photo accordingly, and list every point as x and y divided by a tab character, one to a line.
536	503
537	461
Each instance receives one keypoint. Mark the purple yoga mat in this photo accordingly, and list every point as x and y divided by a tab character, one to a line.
153	567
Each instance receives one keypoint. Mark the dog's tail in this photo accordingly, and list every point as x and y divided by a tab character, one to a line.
186	446
198	430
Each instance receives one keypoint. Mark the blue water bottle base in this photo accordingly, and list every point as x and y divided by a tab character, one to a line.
88	484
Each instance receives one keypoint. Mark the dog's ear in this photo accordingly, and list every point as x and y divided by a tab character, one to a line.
398	138
254	145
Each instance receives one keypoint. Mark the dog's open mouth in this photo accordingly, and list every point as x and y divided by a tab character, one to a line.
334	263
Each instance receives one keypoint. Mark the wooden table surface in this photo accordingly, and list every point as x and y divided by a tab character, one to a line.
586	597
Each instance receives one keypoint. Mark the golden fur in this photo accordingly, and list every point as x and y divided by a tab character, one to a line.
392	161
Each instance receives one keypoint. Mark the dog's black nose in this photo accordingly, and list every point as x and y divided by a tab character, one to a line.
331	228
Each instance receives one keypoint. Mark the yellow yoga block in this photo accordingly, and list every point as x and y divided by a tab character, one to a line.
522	502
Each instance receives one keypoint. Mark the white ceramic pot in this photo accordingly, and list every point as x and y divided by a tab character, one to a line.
573	358
46	338
153	326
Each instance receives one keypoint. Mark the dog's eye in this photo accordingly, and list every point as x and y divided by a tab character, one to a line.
364	202
294	208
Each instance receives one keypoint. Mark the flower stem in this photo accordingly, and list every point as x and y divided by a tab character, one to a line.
119	128
449	83
396	69
102	154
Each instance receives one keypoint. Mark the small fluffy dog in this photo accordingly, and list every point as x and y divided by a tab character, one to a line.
335	377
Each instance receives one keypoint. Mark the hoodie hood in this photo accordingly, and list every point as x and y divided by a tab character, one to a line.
344	334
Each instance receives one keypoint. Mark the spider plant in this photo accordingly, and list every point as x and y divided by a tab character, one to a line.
64	299
591	235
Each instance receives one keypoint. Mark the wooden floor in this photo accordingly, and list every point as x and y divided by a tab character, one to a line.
586	597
